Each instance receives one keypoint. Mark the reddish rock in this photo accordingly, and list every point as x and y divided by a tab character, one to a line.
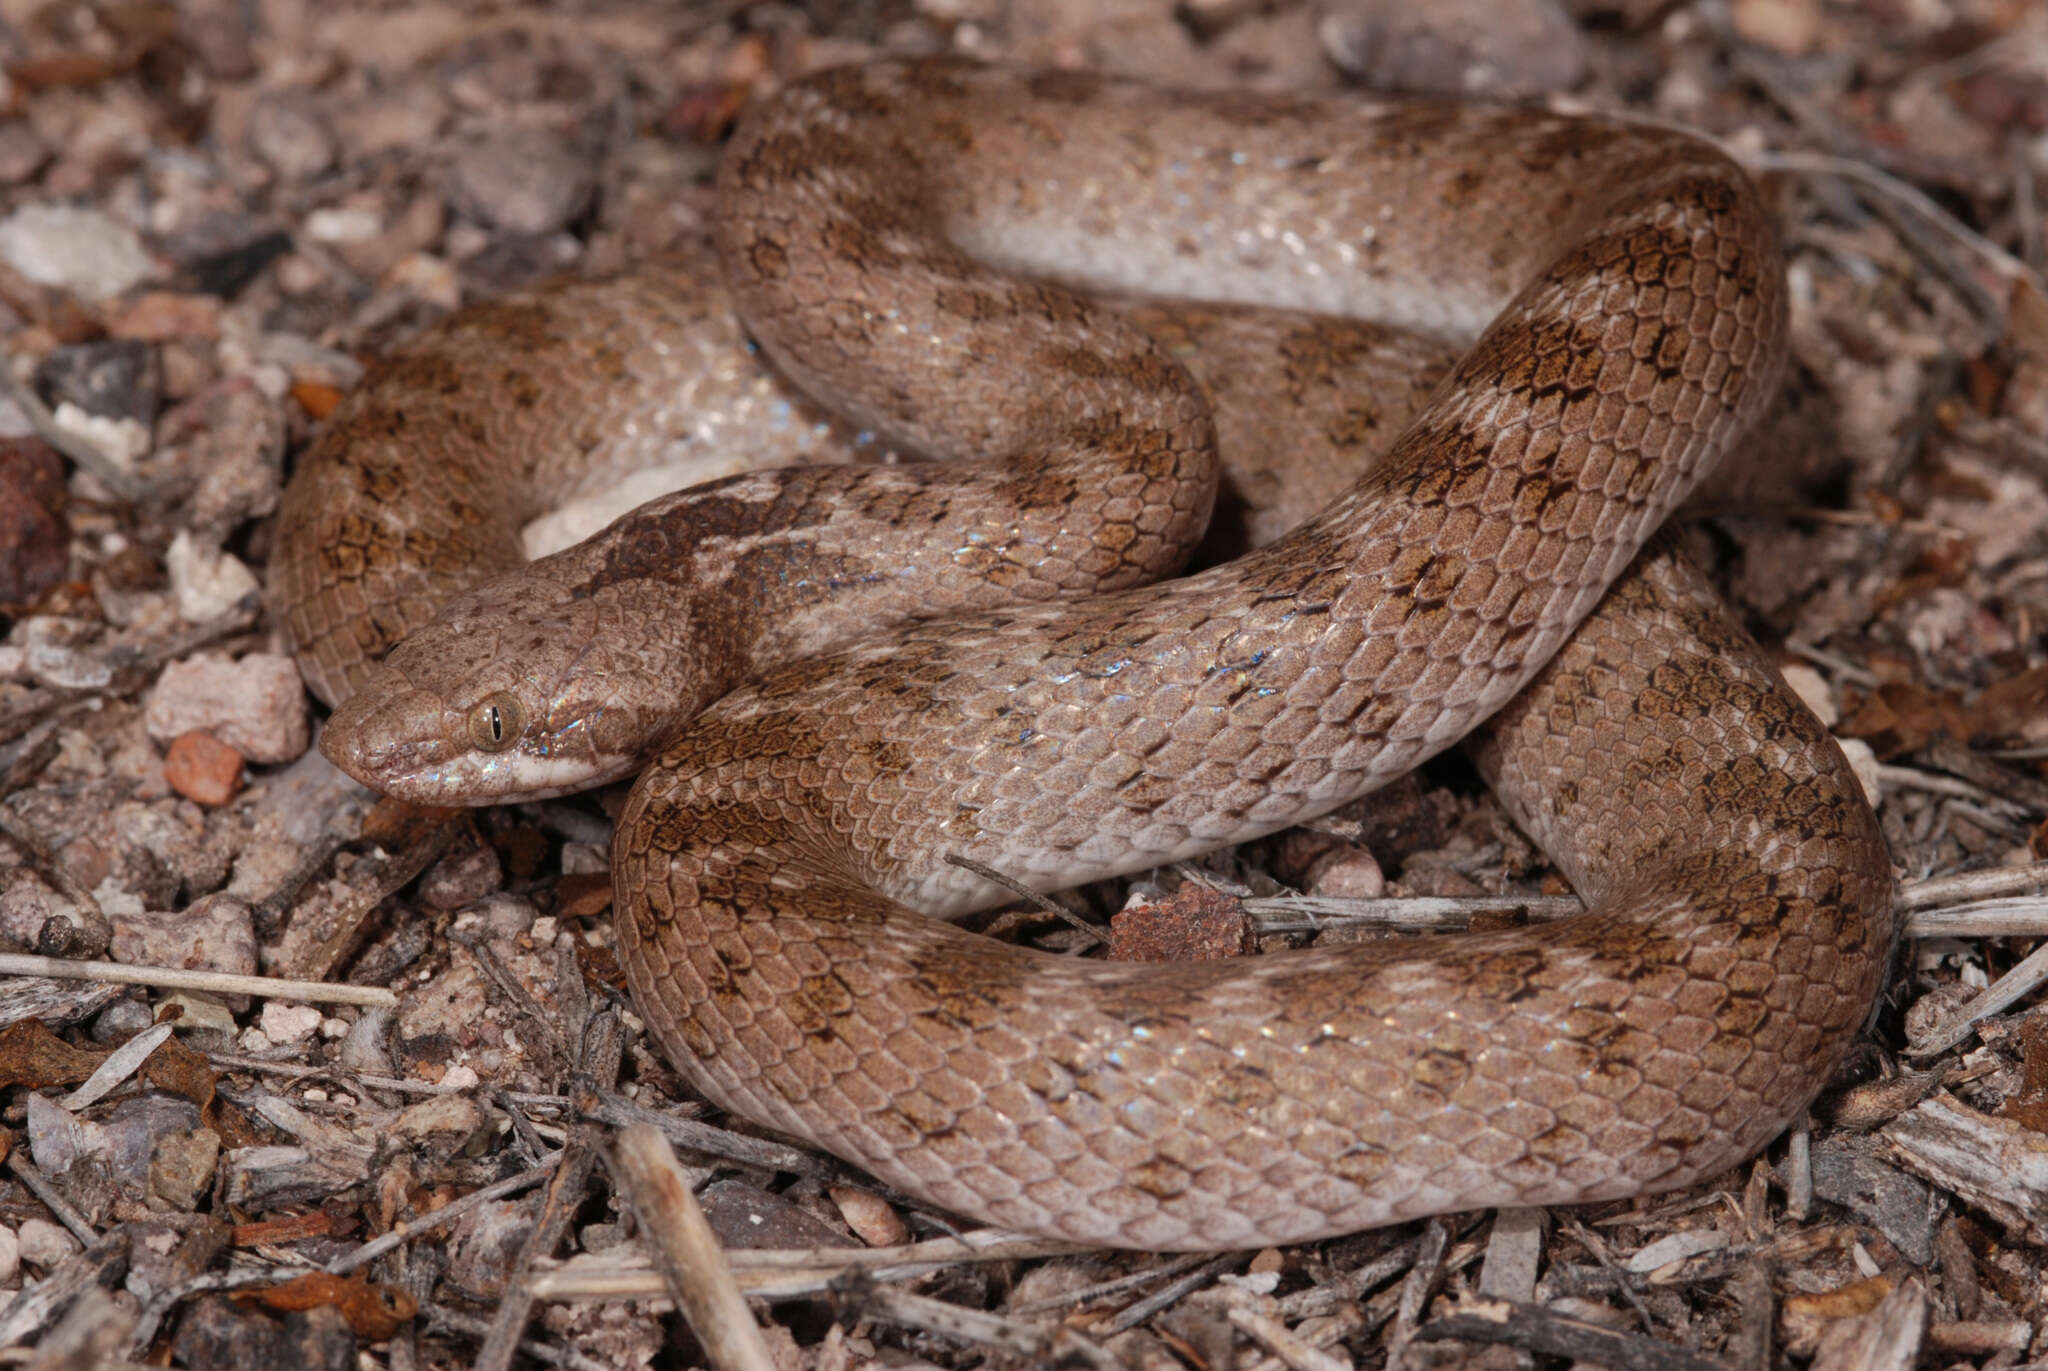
202	768
1194	924
35	537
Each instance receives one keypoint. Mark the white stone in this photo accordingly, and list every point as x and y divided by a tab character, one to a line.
83	251
45	1244
200	1010
1813	691
343	225
208	583
288	1023
123	442
116	901
255	704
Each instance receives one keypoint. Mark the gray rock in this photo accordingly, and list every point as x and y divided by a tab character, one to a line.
1498	49
217	933
84	251
256	704
119	379
289	132
523	180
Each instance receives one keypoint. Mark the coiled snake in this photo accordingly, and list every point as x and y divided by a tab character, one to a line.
919	245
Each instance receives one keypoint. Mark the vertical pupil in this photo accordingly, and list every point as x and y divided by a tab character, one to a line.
497	726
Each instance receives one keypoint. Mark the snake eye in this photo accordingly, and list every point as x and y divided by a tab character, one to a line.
495	722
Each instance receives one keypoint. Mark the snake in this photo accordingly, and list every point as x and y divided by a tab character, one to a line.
850	690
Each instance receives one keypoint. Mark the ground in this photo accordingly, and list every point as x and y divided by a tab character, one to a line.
214	215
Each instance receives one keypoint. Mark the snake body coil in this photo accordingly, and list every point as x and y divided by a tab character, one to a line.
917	245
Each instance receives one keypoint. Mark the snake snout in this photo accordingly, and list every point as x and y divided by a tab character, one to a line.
387	736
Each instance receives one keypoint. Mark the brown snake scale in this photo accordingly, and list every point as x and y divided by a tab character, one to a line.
906	241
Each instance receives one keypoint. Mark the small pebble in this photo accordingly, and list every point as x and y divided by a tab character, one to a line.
208	582
35	536
52	655
1498	49
200	1012
290	134
745	1217
214	933
181	1171
871	1217
1864	763
343	225
121	440
117	379
1352	875
59	1139
600	1237
22	154
484	1244
1791	27
10	1259
462	878
25	907
254	704
362	1048
45	1244
585	859
288	1023
219	33
121	1020
83	251
202	768
437	1127
524	180
159	316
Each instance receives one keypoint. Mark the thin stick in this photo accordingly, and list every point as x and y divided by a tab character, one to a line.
1536	1329
548	1353
1034	898
1060	1346
699	1281
1995	998
1132	1315
2001	262
167	978
789	1273
1987	884
377	1247
596	1069
53	1199
2022	916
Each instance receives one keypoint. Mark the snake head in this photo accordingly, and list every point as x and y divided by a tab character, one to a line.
516	692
